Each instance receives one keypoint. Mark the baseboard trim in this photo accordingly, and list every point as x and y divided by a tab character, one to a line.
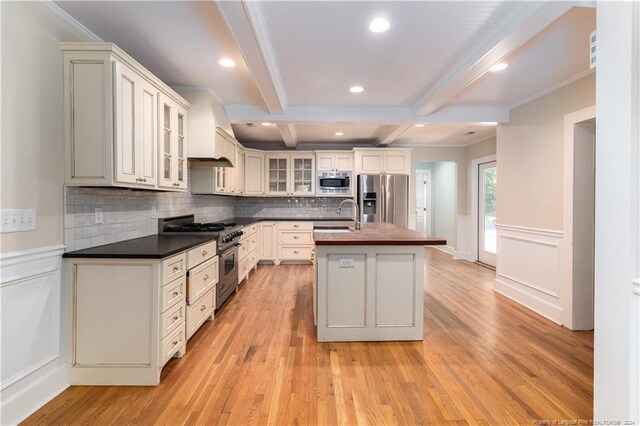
27	401
535	304
447	249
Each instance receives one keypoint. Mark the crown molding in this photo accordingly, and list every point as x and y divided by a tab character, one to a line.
71	20
552	88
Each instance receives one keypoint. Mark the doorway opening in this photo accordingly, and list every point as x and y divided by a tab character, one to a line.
440	200
487	237
579	220
423	201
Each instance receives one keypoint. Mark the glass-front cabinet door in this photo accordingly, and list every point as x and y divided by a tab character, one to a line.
180	179
277	175
302	176
166	134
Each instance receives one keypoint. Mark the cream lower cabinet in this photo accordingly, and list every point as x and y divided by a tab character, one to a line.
114	127
286	241
268	247
202	279
127	319
248	251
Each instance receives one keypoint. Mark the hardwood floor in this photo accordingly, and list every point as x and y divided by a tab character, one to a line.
484	360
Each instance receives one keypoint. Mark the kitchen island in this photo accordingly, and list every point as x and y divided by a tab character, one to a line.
369	283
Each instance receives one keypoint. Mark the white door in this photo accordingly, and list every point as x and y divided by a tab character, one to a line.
487	239
423	201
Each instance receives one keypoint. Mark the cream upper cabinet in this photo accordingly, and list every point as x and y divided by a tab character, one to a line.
112	121
173	140
253	173
290	174
329	161
382	160
225	146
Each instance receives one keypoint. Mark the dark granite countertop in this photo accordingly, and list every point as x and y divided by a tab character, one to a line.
377	234
152	247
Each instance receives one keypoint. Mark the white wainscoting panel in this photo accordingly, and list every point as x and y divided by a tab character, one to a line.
529	266
32	366
464	240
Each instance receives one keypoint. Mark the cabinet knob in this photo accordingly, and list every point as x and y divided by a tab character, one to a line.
204	253
175	318
176	268
206	277
202	308
176	294
295	237
296	226
296	252
175	343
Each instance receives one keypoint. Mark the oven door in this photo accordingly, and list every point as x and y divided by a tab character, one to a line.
229	264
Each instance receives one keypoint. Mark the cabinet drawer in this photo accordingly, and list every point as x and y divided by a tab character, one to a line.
173	293
253	229
202	279
172	319
243	269
173	268
243	250
172	344
296	226
295	253
200	311
200	254
254	258
296	237
253	242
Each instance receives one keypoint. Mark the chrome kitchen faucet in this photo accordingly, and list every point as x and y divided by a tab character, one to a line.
356	219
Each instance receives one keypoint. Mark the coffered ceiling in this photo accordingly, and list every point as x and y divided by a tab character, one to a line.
295	62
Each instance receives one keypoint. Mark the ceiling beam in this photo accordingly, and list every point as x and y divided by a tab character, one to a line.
246	24
365	114
388	133
288	132
524	21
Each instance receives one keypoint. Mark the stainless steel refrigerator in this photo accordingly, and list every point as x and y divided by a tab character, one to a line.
384	198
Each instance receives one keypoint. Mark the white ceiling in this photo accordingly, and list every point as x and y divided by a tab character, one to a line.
297	60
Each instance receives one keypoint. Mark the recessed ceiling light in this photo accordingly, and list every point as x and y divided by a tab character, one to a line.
379	25
499	67
227	62
338	133
266	124
356	89
419	125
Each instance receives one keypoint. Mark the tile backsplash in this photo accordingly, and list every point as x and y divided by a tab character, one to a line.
130	214
287	208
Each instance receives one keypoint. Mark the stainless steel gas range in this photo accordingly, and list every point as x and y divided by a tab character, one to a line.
226	235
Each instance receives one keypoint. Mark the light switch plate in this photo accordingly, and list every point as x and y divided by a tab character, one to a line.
346	262
18	220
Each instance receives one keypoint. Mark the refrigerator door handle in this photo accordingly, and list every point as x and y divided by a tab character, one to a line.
383	200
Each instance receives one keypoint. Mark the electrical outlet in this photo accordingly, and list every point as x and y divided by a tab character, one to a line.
18	220
346	262
99	218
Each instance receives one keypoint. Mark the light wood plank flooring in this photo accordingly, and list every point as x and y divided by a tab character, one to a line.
484	360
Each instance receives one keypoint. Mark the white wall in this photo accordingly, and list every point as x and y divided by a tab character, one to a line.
530	156
33	368
617	337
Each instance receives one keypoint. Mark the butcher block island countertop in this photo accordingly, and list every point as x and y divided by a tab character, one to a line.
384	234
369	283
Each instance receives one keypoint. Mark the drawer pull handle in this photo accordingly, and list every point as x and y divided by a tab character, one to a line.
206	277
296	226
204	253
176	268
295	237
202	308
176	293
296	252
175	318
175	343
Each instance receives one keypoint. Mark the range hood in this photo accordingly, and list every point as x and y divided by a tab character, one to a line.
209	141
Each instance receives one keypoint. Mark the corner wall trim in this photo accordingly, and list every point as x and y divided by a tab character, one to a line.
71	20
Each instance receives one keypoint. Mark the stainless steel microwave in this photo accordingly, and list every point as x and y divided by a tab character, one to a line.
334	184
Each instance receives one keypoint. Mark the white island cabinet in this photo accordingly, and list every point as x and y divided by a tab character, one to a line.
370	284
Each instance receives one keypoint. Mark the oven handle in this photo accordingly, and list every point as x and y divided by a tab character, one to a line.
229	250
